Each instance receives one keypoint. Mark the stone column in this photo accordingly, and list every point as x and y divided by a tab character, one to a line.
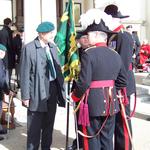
36	11
88	4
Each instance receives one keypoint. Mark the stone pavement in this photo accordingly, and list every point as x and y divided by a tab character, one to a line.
16	139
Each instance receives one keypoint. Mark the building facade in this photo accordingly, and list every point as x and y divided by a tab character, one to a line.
29	13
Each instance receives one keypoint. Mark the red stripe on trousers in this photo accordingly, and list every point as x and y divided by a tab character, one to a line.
126	135
85	139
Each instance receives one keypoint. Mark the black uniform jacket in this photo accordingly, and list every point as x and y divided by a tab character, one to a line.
124	47
97	64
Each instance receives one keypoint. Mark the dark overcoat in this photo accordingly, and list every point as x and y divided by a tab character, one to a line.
34	75
6	39
98	64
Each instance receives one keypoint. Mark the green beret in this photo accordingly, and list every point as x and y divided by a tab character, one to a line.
45	27
2	47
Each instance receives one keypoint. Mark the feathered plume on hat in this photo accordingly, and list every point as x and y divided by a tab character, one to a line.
96	16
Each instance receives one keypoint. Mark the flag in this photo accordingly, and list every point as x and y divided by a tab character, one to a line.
65	40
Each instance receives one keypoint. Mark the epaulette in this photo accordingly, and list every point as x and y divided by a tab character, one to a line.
89	48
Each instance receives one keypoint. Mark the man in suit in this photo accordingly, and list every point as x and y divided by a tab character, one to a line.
101	73
124	46
41	86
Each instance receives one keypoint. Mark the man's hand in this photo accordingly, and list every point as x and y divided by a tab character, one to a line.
25	103
11	93
74	98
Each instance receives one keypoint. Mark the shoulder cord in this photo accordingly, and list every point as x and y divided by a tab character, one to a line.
98	132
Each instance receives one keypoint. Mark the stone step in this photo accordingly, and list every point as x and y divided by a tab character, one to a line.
144	98
142	89
142	104
140	77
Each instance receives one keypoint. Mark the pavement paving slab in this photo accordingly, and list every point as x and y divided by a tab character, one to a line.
17	137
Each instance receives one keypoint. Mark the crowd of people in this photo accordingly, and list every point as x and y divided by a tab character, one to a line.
10	49
108	52
141	52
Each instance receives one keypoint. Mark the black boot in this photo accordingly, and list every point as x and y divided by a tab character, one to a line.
1	138
3	131
74	144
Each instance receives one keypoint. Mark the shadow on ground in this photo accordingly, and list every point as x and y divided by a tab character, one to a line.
59	140
16	139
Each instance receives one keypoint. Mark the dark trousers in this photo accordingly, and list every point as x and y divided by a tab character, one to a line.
121	137
40	124
104	141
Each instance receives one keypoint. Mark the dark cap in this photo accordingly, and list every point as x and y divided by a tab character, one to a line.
113	11
80	34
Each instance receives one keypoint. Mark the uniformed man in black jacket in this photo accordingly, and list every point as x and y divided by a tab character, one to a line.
102	72
123	44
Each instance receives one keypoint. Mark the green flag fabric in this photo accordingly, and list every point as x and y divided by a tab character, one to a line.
65	40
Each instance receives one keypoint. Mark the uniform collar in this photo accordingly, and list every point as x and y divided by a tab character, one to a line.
41	44
118	28
100	44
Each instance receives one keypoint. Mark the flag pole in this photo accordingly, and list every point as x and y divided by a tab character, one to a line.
75	116
76	127
68	89
68	56
41	10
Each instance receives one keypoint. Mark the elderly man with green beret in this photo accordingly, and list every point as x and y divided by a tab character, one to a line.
41	86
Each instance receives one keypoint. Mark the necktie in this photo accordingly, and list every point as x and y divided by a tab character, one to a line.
50	64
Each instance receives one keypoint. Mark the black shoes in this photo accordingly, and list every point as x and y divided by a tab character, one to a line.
74	144
3	131
1	138
74	147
